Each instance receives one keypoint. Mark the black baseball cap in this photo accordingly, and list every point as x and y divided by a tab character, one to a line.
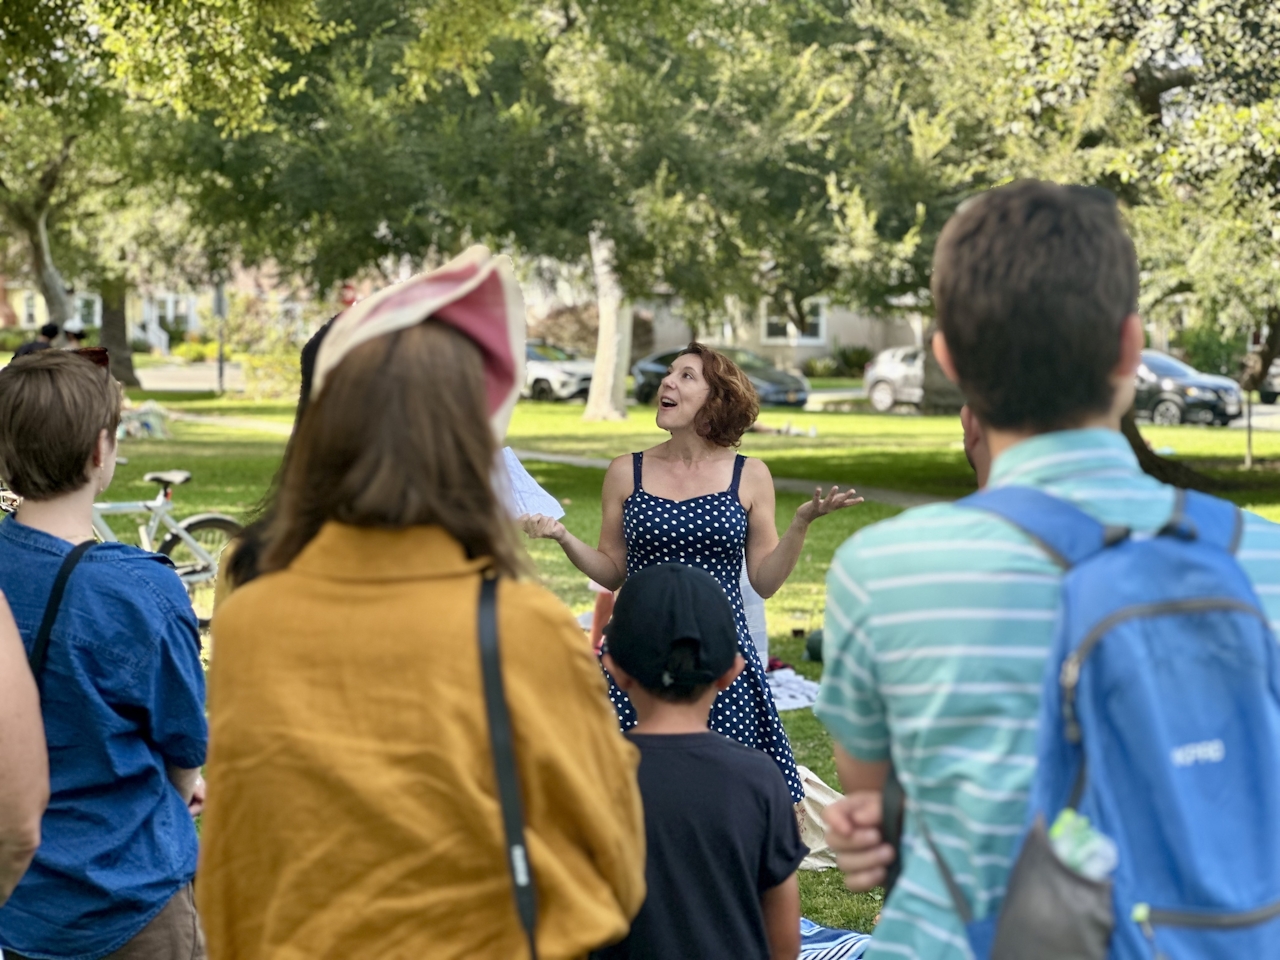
662	605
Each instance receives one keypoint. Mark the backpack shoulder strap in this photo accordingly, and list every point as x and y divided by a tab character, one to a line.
1067	533
1199	516
502	742
40	649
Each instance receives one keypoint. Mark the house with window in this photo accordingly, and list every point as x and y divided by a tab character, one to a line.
825	327
156	317
22	306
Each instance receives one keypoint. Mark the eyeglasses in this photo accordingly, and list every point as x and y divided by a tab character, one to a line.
96	355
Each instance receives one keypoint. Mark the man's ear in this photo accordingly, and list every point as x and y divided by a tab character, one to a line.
1132	340
942	354
102	449
730	675
623	679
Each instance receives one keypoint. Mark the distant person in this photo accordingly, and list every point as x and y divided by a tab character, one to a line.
43	341
695	500
353	807
723	845
242	560
24	758
76	339
121	687
940	620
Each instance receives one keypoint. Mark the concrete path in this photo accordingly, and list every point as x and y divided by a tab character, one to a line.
196	377
235	423
895	498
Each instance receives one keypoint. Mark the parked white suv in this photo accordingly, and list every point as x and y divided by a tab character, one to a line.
554	374
895	376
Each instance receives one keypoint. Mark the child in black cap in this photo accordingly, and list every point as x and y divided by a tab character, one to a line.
723	846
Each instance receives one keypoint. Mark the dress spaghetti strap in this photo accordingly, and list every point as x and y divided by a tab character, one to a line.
737	475
637	467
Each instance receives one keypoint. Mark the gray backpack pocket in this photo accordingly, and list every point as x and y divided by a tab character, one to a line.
1051	910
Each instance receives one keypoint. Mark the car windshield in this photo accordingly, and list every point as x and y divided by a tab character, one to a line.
1163	365
747	360
545	351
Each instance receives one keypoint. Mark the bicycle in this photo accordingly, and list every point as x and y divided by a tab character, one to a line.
193	545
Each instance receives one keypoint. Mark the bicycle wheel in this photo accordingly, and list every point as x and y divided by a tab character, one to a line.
212	531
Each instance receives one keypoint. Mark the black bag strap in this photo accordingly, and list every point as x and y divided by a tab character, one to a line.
504	762
40	649
948	878
893	805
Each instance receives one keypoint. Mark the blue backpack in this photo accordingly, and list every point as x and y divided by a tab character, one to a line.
1160	722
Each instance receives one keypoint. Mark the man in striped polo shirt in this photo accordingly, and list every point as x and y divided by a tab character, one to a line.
939	621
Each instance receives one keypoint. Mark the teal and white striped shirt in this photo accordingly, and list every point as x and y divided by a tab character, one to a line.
938	624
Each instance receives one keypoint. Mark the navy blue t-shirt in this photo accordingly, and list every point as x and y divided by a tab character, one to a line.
720	831
122	696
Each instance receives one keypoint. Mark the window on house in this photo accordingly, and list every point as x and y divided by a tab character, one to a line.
811	328
776	328
29	309
87	308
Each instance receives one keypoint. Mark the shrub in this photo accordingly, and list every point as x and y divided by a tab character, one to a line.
140	345
274	374
1206	347
820	367
850	361
194	352
11	338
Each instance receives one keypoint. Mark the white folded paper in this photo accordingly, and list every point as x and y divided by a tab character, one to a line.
521	493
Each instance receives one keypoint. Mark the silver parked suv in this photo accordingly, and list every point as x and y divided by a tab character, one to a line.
895	376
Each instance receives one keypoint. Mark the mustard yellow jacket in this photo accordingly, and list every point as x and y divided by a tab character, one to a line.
352	810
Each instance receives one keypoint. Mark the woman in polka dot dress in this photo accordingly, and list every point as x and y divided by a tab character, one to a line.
694	500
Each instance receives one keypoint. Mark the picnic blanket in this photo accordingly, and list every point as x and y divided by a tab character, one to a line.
790	690
824	943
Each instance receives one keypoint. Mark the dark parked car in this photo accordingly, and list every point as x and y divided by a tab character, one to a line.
773	386
1171	392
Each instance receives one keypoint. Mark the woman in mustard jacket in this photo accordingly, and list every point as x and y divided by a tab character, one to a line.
352	809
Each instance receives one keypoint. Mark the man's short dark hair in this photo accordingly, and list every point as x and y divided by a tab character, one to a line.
1031	284
49	331
53	406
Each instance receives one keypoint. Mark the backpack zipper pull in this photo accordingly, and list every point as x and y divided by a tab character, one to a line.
1141	915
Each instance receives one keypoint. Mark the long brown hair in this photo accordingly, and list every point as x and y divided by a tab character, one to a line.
398	437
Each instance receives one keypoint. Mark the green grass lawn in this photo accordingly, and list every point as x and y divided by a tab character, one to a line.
835	383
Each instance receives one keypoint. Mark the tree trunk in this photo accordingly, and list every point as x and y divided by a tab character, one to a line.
1165	470
1258	365
48	280
115	332
607	398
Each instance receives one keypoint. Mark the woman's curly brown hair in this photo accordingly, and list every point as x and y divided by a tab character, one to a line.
732	405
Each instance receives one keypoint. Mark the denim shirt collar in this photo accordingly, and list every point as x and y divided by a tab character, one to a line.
31	538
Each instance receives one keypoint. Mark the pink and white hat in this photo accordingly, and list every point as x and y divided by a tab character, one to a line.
476	293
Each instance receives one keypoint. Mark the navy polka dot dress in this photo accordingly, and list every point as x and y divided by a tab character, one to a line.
709	532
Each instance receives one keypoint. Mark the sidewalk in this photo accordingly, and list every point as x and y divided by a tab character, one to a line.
196	377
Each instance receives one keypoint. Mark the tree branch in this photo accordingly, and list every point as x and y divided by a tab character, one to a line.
52	174
1150	82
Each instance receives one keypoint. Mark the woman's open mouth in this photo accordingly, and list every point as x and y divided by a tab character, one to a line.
667	403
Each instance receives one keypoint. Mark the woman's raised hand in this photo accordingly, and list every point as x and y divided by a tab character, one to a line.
820	506
538	527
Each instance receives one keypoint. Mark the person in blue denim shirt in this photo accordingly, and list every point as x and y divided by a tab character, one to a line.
122	689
